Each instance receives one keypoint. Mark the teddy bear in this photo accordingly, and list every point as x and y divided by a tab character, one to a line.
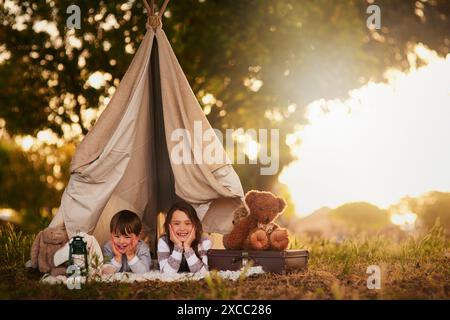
254	227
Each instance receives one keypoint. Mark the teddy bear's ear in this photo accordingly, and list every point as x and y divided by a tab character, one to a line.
281	204
250	196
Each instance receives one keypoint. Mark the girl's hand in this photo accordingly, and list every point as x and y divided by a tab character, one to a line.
131	249
174	238
189	240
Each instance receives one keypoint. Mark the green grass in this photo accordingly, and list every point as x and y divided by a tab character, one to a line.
415	268
14	247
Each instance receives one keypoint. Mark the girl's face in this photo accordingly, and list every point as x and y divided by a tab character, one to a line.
123	241
181	225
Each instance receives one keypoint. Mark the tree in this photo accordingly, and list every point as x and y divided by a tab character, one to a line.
31	183
361	216
431	207
262	61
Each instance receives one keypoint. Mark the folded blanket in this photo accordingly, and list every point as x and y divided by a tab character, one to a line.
156	275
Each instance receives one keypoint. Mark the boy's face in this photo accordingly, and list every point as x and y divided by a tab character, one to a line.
123	241
181	225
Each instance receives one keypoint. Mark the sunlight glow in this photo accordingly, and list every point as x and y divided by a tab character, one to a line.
48	27
96	80
43	138
253	84
7	214
247	143
408	218
208	99
26	143
252	149
386	141
47	136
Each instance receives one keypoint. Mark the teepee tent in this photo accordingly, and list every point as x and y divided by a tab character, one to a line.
128	160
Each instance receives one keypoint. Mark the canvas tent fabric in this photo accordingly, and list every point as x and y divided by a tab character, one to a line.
126	159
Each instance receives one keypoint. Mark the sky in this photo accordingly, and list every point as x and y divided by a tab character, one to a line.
386	141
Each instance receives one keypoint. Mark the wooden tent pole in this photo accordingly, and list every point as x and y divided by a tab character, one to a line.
163	8
149	9
152	6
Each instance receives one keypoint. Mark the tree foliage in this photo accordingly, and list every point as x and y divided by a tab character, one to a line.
263	61
361	216
429	208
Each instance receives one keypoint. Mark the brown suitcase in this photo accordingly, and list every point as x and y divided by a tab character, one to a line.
280	262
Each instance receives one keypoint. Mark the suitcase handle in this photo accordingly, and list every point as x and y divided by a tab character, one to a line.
244	258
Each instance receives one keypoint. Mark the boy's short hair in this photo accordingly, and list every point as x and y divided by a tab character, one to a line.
125	222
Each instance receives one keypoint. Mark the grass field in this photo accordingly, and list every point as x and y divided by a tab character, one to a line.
415	268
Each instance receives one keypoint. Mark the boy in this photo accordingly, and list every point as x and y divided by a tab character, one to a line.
125	251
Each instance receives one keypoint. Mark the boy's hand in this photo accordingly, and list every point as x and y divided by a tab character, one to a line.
131	249
174	238
107	269
189	240
117	254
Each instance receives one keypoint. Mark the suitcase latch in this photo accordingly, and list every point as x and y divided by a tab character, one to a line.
244	258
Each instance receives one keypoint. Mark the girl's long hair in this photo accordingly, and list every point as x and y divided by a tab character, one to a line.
192	215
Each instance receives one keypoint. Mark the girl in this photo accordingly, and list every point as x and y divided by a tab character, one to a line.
182	248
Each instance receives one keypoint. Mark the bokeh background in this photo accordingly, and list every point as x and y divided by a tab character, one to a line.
363	113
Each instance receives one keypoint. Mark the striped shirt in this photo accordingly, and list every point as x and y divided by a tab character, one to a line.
169	262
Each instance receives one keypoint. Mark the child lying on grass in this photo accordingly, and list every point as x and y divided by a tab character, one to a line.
125	252
183	248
